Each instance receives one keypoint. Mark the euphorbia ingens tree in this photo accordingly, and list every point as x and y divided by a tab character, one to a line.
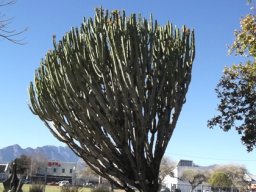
112	90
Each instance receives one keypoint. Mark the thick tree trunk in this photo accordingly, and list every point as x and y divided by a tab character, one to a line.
145	186
152	188
149	188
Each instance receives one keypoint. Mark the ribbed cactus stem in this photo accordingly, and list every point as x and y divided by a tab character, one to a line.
112	90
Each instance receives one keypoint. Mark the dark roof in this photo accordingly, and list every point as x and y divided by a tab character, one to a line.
186	163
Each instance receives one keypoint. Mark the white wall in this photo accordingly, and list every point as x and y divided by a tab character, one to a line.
57	168
172	182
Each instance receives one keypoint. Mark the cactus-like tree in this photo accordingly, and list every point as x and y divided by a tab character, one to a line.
112	90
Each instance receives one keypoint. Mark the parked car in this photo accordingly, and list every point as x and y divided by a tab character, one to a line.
89	184
64	183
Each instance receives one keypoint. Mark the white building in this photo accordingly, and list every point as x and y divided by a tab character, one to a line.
251	179
56	170
174	182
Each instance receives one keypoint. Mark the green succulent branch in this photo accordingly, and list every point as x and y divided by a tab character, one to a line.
112	90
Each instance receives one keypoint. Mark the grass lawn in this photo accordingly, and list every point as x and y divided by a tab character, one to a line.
50	188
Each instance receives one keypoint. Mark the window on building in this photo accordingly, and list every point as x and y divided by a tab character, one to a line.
63	170
70	170
54	170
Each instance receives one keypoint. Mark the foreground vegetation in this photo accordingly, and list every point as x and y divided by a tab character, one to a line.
50	188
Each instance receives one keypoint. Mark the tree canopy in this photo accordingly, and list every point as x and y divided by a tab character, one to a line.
193	177
236	174
112	90
220	181
166	167
236	89
23	164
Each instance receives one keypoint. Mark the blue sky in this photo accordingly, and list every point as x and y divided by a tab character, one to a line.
214	23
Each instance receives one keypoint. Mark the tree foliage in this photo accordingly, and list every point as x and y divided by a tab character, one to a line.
38	163
193	177
220	181
236	89
23	164
166	167
112	90
236	174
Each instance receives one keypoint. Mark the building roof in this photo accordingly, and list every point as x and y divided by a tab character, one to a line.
250	177
186	163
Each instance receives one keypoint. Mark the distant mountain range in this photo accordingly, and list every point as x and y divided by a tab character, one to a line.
49	152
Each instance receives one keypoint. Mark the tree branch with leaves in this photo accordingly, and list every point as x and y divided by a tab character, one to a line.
236	89
193	177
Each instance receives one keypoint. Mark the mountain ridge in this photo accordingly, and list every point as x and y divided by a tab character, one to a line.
50	152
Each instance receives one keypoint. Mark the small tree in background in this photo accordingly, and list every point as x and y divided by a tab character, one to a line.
23	165
236	174
193	177
166	167
113	91
38	163
220	181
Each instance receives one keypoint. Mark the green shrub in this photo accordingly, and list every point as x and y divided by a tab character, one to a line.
37	188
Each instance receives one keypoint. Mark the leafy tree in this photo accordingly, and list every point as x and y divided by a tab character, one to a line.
236	175
113	91
220	181
193	177
237	87
38	164
166	167
23	164
28	166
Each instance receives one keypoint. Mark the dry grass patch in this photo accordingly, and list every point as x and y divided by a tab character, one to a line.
49	188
